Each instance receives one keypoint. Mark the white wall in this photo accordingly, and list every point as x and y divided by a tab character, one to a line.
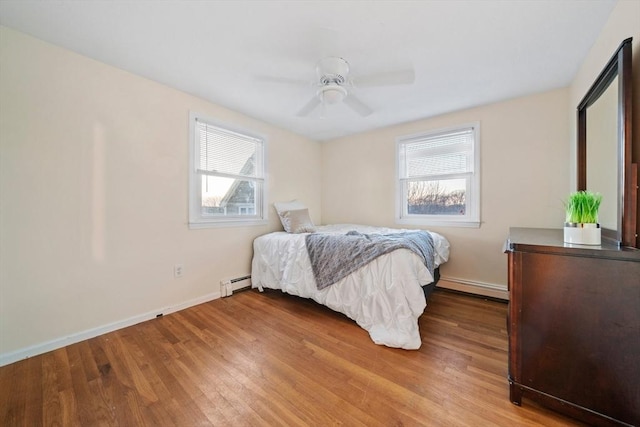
93	187
524	180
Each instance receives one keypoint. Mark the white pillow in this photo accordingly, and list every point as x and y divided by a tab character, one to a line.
282	207
298	221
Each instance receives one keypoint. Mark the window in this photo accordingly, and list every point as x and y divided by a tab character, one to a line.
226	179
438	177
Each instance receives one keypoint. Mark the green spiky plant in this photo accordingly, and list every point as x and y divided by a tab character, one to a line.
582	207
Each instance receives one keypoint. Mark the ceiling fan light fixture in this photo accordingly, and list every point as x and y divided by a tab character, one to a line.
332	94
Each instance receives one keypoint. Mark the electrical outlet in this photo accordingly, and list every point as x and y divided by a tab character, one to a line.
178	270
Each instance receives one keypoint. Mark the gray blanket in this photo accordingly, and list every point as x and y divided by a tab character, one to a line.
333	257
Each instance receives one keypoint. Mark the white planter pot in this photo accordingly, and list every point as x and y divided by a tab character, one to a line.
581	234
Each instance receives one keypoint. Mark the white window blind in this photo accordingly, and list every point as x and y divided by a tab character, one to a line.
438	155
227	153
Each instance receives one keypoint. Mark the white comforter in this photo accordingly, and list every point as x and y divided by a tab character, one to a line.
385	297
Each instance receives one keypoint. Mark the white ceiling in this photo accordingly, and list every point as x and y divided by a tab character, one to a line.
464	53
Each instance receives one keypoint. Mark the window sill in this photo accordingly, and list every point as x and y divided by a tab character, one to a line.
438	222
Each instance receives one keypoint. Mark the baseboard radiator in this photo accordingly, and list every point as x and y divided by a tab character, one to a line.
229	286
474	287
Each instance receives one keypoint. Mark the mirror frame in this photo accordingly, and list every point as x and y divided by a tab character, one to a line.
618	66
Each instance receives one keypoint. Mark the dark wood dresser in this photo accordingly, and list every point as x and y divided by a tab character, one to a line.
574	326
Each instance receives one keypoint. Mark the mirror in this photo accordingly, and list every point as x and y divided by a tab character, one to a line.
604	148
602	153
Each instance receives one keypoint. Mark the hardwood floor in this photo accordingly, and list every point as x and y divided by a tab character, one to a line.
273	359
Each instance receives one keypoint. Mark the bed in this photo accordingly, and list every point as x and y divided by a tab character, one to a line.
385	297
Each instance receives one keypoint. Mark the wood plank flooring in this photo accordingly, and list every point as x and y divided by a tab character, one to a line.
272	359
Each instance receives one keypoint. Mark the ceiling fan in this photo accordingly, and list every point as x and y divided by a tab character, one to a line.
335	86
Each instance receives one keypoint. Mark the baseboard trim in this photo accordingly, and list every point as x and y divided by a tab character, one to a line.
477	288
14	356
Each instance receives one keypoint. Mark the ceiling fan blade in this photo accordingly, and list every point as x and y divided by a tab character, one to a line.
401	77
309	107
358	106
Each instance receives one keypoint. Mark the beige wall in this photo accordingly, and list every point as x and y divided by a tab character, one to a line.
524	156
624	22
93	185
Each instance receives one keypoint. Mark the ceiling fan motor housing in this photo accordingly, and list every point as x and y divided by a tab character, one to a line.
332	70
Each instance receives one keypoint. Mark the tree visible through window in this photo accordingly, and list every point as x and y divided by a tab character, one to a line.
434	198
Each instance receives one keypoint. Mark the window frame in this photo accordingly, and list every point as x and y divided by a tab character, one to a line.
196	219
472	195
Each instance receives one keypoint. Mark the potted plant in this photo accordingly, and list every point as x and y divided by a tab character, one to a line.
581	223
